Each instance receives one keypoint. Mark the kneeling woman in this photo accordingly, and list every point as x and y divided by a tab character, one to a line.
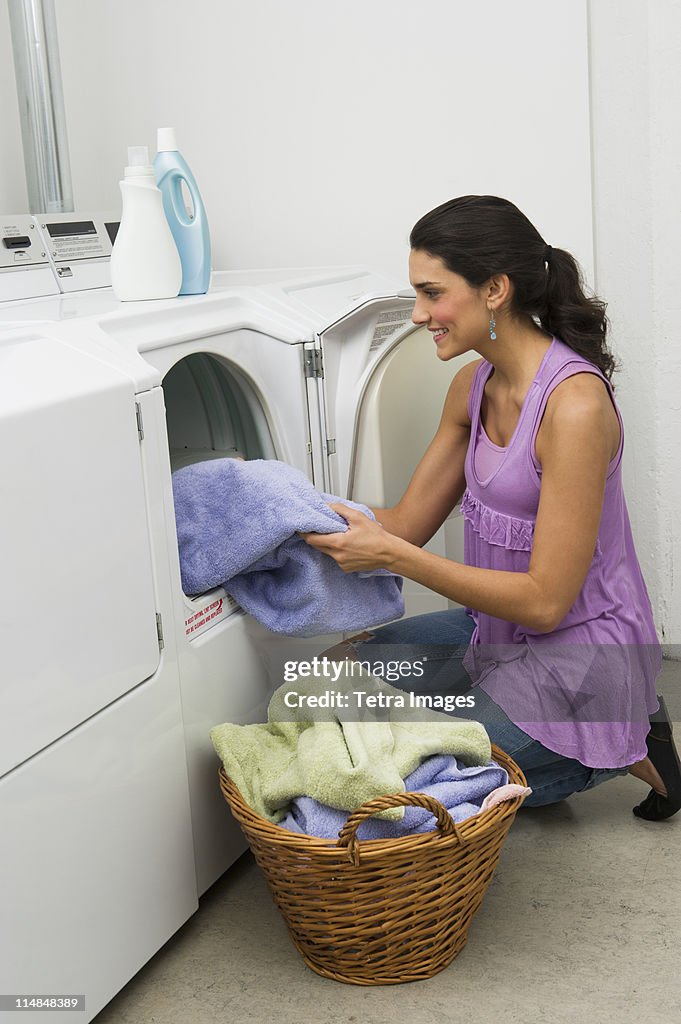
557	633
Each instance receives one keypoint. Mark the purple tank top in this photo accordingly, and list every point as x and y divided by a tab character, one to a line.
586	689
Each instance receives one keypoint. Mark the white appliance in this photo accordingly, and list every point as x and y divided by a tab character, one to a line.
113	823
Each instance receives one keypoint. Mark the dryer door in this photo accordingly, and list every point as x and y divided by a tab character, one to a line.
77	609
387	389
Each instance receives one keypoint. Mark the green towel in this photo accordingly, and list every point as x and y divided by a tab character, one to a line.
338	761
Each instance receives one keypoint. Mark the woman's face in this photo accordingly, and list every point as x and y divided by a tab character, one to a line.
455	313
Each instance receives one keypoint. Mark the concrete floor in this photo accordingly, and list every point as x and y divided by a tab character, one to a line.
581	925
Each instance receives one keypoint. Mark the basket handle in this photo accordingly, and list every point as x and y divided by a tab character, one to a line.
347	837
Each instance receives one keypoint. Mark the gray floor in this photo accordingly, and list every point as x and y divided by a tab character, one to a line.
582	924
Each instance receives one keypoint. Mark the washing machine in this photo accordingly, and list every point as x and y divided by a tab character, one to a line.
113	821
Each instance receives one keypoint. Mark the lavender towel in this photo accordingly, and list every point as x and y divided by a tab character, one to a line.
461	790
237	526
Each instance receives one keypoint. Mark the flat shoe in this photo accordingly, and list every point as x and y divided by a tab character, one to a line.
664	756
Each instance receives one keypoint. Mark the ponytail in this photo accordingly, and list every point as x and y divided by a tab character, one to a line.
576	318
480	236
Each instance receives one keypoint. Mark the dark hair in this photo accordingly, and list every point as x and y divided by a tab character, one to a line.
479	236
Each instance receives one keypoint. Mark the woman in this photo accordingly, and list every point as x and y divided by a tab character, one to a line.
557	631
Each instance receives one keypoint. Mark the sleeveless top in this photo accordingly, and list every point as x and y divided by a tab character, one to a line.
585	690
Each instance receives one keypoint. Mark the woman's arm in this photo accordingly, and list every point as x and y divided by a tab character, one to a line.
574	450
438	481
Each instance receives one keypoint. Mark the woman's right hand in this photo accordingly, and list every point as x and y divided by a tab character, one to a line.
363	547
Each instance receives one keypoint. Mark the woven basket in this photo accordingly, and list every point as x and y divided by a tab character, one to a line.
380	911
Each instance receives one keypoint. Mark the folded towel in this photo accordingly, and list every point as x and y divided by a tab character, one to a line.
339	762
237	525
460	789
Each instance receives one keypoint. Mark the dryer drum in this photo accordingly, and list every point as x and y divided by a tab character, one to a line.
213	412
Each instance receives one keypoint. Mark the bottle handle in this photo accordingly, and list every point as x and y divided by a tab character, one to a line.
175	193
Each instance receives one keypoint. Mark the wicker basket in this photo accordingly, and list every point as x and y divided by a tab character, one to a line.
380	911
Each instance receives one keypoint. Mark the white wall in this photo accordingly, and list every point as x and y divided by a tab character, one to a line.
319	132
636	85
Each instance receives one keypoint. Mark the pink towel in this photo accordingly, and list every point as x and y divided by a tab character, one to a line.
501	793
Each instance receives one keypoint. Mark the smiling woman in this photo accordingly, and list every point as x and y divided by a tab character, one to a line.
557	634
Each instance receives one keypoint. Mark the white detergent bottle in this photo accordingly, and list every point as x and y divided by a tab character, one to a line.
145	263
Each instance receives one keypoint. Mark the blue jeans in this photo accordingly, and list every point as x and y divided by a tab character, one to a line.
439	640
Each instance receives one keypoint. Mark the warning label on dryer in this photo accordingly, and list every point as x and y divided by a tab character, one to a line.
386	325
204	617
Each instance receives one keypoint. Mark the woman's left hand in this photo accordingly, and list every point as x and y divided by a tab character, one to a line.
364	546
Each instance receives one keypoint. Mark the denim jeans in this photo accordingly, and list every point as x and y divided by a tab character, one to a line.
439	641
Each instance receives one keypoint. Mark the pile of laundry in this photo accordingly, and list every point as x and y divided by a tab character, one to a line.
307	771
238	526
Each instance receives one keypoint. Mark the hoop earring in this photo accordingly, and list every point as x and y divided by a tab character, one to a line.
492	326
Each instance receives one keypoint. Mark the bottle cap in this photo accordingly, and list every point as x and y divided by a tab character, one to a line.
138	161
166	140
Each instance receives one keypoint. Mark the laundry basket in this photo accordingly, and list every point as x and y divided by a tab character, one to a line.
380	911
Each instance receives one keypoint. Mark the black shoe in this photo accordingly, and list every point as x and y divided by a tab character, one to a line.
665	758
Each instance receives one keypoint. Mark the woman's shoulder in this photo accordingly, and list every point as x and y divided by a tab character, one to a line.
571	385
578	388
581	399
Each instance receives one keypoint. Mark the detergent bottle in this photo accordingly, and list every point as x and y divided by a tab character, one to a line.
145	263
190	230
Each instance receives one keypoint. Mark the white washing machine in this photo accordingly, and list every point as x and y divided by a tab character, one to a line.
113	823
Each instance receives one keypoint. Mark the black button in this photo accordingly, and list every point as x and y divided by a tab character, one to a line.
17	242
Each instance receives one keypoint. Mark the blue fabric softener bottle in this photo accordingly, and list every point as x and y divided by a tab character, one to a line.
190	230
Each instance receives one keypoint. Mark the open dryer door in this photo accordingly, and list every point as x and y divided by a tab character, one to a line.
398	416
384	419
397	419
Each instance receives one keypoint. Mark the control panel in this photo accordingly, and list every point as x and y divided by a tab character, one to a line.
79	247
21	245
45	254
26	271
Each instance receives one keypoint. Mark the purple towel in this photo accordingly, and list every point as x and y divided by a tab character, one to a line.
461	790
237	526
